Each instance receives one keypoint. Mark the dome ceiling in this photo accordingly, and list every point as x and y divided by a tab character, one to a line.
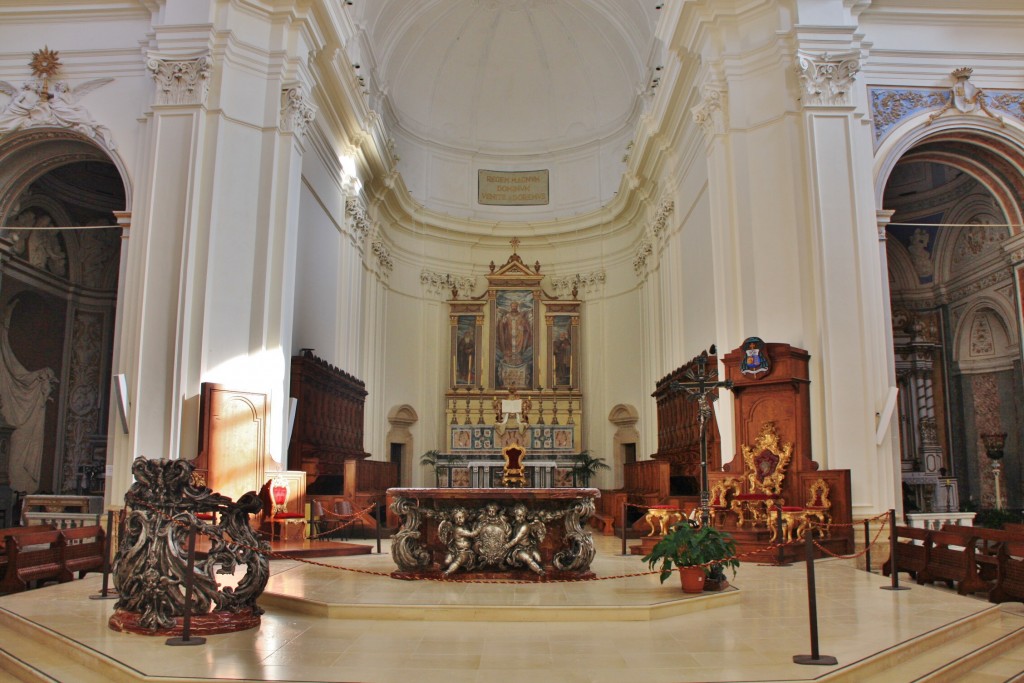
511	77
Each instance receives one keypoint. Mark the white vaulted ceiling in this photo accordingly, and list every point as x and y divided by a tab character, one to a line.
481	82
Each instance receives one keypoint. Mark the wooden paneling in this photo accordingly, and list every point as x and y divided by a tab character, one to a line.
328	417
679	428
232	439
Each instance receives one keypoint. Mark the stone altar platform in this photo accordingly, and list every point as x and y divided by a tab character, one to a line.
493	533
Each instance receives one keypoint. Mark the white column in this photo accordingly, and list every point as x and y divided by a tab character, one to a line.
847	295
712	115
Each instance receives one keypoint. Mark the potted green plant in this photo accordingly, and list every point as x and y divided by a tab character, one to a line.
586	467
438	462
698	552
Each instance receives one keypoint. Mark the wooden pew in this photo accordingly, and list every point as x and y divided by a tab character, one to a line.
987	544
912	546
1010	573
33	557
15	531
83	551
951	558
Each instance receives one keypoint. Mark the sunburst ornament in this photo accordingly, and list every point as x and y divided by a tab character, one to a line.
45	63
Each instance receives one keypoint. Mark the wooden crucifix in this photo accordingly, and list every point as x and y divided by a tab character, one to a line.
703	388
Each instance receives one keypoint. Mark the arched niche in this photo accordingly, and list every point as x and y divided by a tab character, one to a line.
626	438
402	418
984	341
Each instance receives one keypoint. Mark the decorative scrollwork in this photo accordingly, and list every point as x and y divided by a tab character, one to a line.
407	548
150	567
827	78
579	551
491	538
180	81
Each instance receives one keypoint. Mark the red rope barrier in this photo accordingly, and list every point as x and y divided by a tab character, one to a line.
771	547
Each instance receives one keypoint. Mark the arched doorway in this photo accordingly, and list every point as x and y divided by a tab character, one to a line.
954	260
59	272
626	438
400	441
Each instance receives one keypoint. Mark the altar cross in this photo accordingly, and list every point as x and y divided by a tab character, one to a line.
703	383
515	244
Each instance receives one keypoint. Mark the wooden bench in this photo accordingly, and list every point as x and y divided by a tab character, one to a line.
83	551
33	557
16	531
1010	573
951	558
912	545
987	544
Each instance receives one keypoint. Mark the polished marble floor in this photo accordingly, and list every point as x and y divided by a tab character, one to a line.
506	633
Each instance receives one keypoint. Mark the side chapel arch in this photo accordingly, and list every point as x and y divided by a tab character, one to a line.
58	178
947	304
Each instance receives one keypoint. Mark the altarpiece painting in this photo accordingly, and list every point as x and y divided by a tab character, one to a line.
514	379
514	334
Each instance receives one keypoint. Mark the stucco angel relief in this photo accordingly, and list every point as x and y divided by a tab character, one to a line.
32	106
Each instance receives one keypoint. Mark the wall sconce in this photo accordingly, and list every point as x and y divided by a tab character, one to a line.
994	444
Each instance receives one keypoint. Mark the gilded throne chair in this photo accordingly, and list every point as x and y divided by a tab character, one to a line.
514	473
764	471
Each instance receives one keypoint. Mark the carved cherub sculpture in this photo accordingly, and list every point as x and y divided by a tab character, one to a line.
524	546
456	534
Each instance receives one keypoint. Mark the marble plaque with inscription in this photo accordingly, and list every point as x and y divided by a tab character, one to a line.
512	188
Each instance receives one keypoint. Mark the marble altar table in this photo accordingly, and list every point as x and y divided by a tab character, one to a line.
493	533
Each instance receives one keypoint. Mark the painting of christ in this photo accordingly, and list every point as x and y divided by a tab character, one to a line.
514	325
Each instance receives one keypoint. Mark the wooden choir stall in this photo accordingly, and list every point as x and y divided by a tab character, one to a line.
327	443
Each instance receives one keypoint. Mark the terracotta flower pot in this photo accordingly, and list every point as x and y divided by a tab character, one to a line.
692	579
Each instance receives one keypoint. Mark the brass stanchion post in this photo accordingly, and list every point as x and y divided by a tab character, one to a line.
105	593
624	505
376	514
186	621
812	604
867	545
894	574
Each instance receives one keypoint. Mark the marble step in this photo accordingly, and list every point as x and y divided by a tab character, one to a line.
43	656
959	652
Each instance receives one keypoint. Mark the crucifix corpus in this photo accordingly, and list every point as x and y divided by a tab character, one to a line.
702	388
